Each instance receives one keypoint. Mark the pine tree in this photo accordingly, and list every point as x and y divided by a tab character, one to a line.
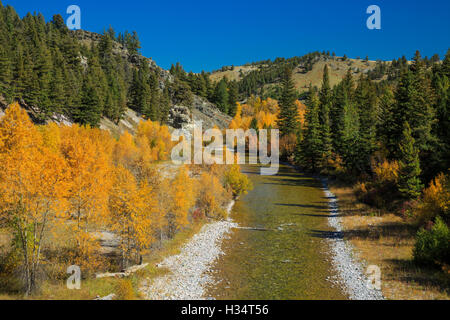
5	72
89	112
164	103
366	101
409	183
233	94
309	152
386	120
221	97
325	96
288	122
423	98
343	95
352	148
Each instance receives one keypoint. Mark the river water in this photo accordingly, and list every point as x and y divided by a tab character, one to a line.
280	251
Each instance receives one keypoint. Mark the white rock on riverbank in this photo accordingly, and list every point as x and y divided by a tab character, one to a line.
351	274
188	276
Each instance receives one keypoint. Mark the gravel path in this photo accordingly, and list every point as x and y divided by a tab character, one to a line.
188	270
350	272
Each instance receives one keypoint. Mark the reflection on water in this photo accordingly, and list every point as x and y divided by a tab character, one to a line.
277	254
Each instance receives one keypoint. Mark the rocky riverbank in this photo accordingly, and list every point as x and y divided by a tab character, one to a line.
350	272
188	275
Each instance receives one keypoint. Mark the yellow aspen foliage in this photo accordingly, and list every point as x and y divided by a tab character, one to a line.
266	120
131	206
301	107
183	198
236	123
89	167
125	151
33	184
51	136
158	138
211	197
386	172
236	181
435	200
163	195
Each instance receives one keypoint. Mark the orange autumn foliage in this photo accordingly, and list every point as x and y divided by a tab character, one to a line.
80	182
131	206
264	111
435	200
212	196
33	187
90	171
182	199
157	137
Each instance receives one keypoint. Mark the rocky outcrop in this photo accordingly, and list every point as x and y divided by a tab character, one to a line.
202	111
209	114
179	117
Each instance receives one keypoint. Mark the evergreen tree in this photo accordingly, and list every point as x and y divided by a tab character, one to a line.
386	120
325	96
342	97
288	122
366	100
89	112
221	96
233	94
5	73
309	151
409	183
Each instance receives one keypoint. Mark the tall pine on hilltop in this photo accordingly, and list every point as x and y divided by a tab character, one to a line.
288	119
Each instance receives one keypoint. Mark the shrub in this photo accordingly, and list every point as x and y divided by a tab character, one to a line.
435	201
125	290
382	191
237	181
288	144
433	246
211	197
386	172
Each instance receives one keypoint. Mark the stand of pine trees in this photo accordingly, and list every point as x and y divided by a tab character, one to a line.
44	65
357	122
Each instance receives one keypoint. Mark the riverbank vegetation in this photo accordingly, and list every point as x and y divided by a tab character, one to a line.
388	140
65	190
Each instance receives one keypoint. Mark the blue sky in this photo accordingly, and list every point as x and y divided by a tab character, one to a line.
205	35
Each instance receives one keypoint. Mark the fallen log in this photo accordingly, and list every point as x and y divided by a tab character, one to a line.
129	271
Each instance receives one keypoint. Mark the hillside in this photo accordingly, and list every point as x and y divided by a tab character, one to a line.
101	80
338	68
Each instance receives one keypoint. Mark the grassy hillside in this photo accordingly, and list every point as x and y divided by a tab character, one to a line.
338	67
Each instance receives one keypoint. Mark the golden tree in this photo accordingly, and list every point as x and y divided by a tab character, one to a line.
183	197
236	181
132	207
90	169
33	184
211	196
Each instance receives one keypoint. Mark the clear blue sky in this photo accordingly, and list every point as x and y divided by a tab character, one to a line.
207	34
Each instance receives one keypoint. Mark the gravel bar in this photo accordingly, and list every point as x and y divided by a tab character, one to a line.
189	269
350	272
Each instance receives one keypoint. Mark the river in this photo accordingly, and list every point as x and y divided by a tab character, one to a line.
280	251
